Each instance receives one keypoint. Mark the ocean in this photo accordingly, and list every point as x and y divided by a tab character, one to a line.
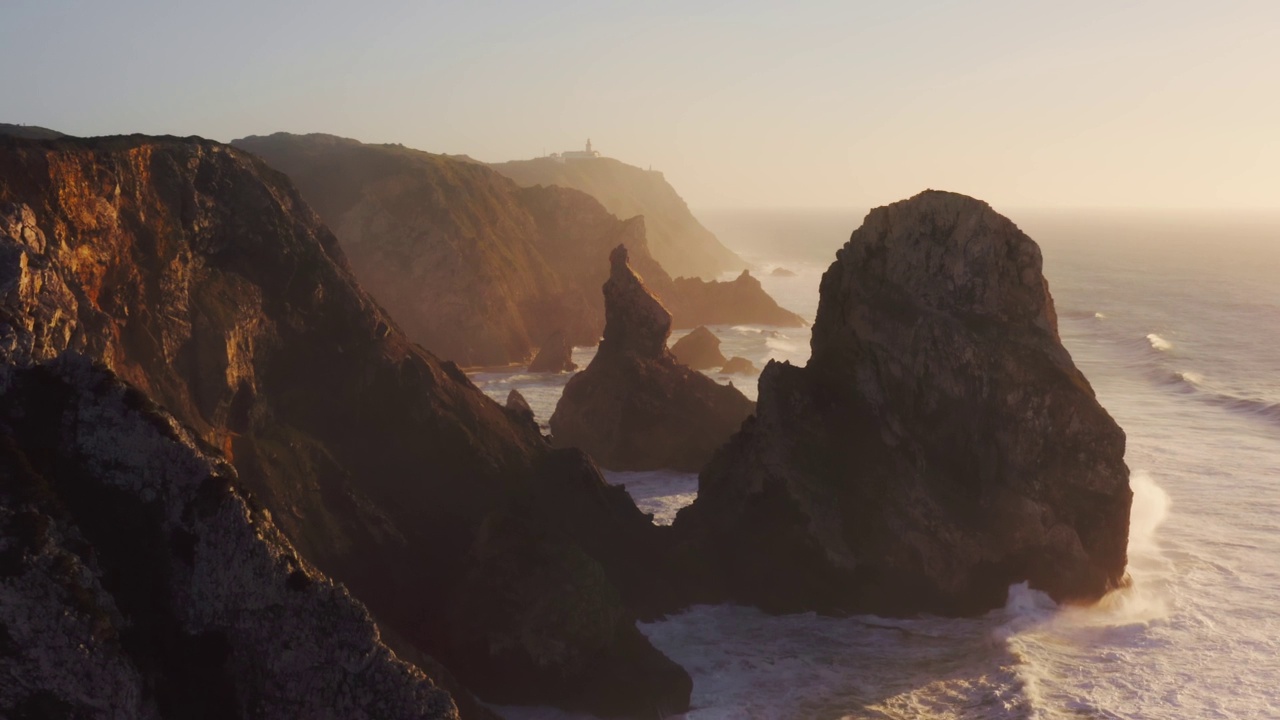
1175	320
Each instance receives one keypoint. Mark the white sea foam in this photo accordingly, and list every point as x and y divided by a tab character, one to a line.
1159	343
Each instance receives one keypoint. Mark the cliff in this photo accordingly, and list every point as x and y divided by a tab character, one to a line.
138	580
636	407
939	446
197	274
679	242
475	268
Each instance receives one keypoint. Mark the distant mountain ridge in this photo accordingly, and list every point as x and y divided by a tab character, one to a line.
676	238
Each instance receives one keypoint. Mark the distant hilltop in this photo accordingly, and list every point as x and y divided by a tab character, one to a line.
677	240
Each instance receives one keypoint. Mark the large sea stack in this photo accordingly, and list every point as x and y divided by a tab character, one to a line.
197	275
939	446
636	407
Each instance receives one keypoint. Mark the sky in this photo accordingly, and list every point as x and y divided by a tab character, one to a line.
1121	104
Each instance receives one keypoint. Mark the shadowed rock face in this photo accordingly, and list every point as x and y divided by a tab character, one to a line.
699	349
475	268
197	275
138	580
555	355
636	407
738	365
939	446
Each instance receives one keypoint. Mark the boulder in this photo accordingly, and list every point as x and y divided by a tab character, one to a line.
939	446
738	365
635	407
555	355
699	349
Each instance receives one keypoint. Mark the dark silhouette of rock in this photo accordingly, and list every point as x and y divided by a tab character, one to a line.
475	268
198	274
678	241
939	446
737	365
782	272
139	579
736	302
30	132
517	403
699	349
636	407
555	356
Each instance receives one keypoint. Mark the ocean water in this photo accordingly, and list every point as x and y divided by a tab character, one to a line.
1175	319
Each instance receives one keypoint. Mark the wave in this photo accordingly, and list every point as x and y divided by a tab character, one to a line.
1159	343
1192	383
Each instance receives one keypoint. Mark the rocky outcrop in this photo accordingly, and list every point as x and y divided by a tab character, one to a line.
636	407
475	268
555	356
31	132
676	238
137	579
737	365
699	349
198	275
939	446
735	302
783	272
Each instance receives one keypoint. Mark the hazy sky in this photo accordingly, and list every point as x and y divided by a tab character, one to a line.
1026	103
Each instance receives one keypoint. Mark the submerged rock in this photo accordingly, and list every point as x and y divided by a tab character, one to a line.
738	365
555	356
636	407
939	446
699	349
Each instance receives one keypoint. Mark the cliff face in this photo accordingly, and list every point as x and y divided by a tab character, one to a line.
636	407
680	243
939	446
198	275
137	580
476	269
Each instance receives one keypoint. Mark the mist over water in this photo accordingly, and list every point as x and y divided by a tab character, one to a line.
1174	323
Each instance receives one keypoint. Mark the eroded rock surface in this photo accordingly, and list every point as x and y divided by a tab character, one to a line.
555	356
636	407
198	275
939	446
138	580
699	349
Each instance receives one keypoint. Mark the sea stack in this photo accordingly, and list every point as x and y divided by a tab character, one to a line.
939	446
699	349
636	407
555	355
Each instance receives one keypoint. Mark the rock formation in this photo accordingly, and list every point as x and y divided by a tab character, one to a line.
636	407
555	356
699	349
782	272
138	580
475	268
679	242
198	275
735	302
939	446
737	365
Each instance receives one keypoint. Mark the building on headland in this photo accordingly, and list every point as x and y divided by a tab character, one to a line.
587	154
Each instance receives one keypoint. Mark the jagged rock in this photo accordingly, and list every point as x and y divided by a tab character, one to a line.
517	403
782	272
939	446
199	276
740	301
699	349
737	365
555	355
636	407
138	580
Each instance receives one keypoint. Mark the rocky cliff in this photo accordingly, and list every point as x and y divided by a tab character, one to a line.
680	243
636	407
939	446
138	580
198	275
475	268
